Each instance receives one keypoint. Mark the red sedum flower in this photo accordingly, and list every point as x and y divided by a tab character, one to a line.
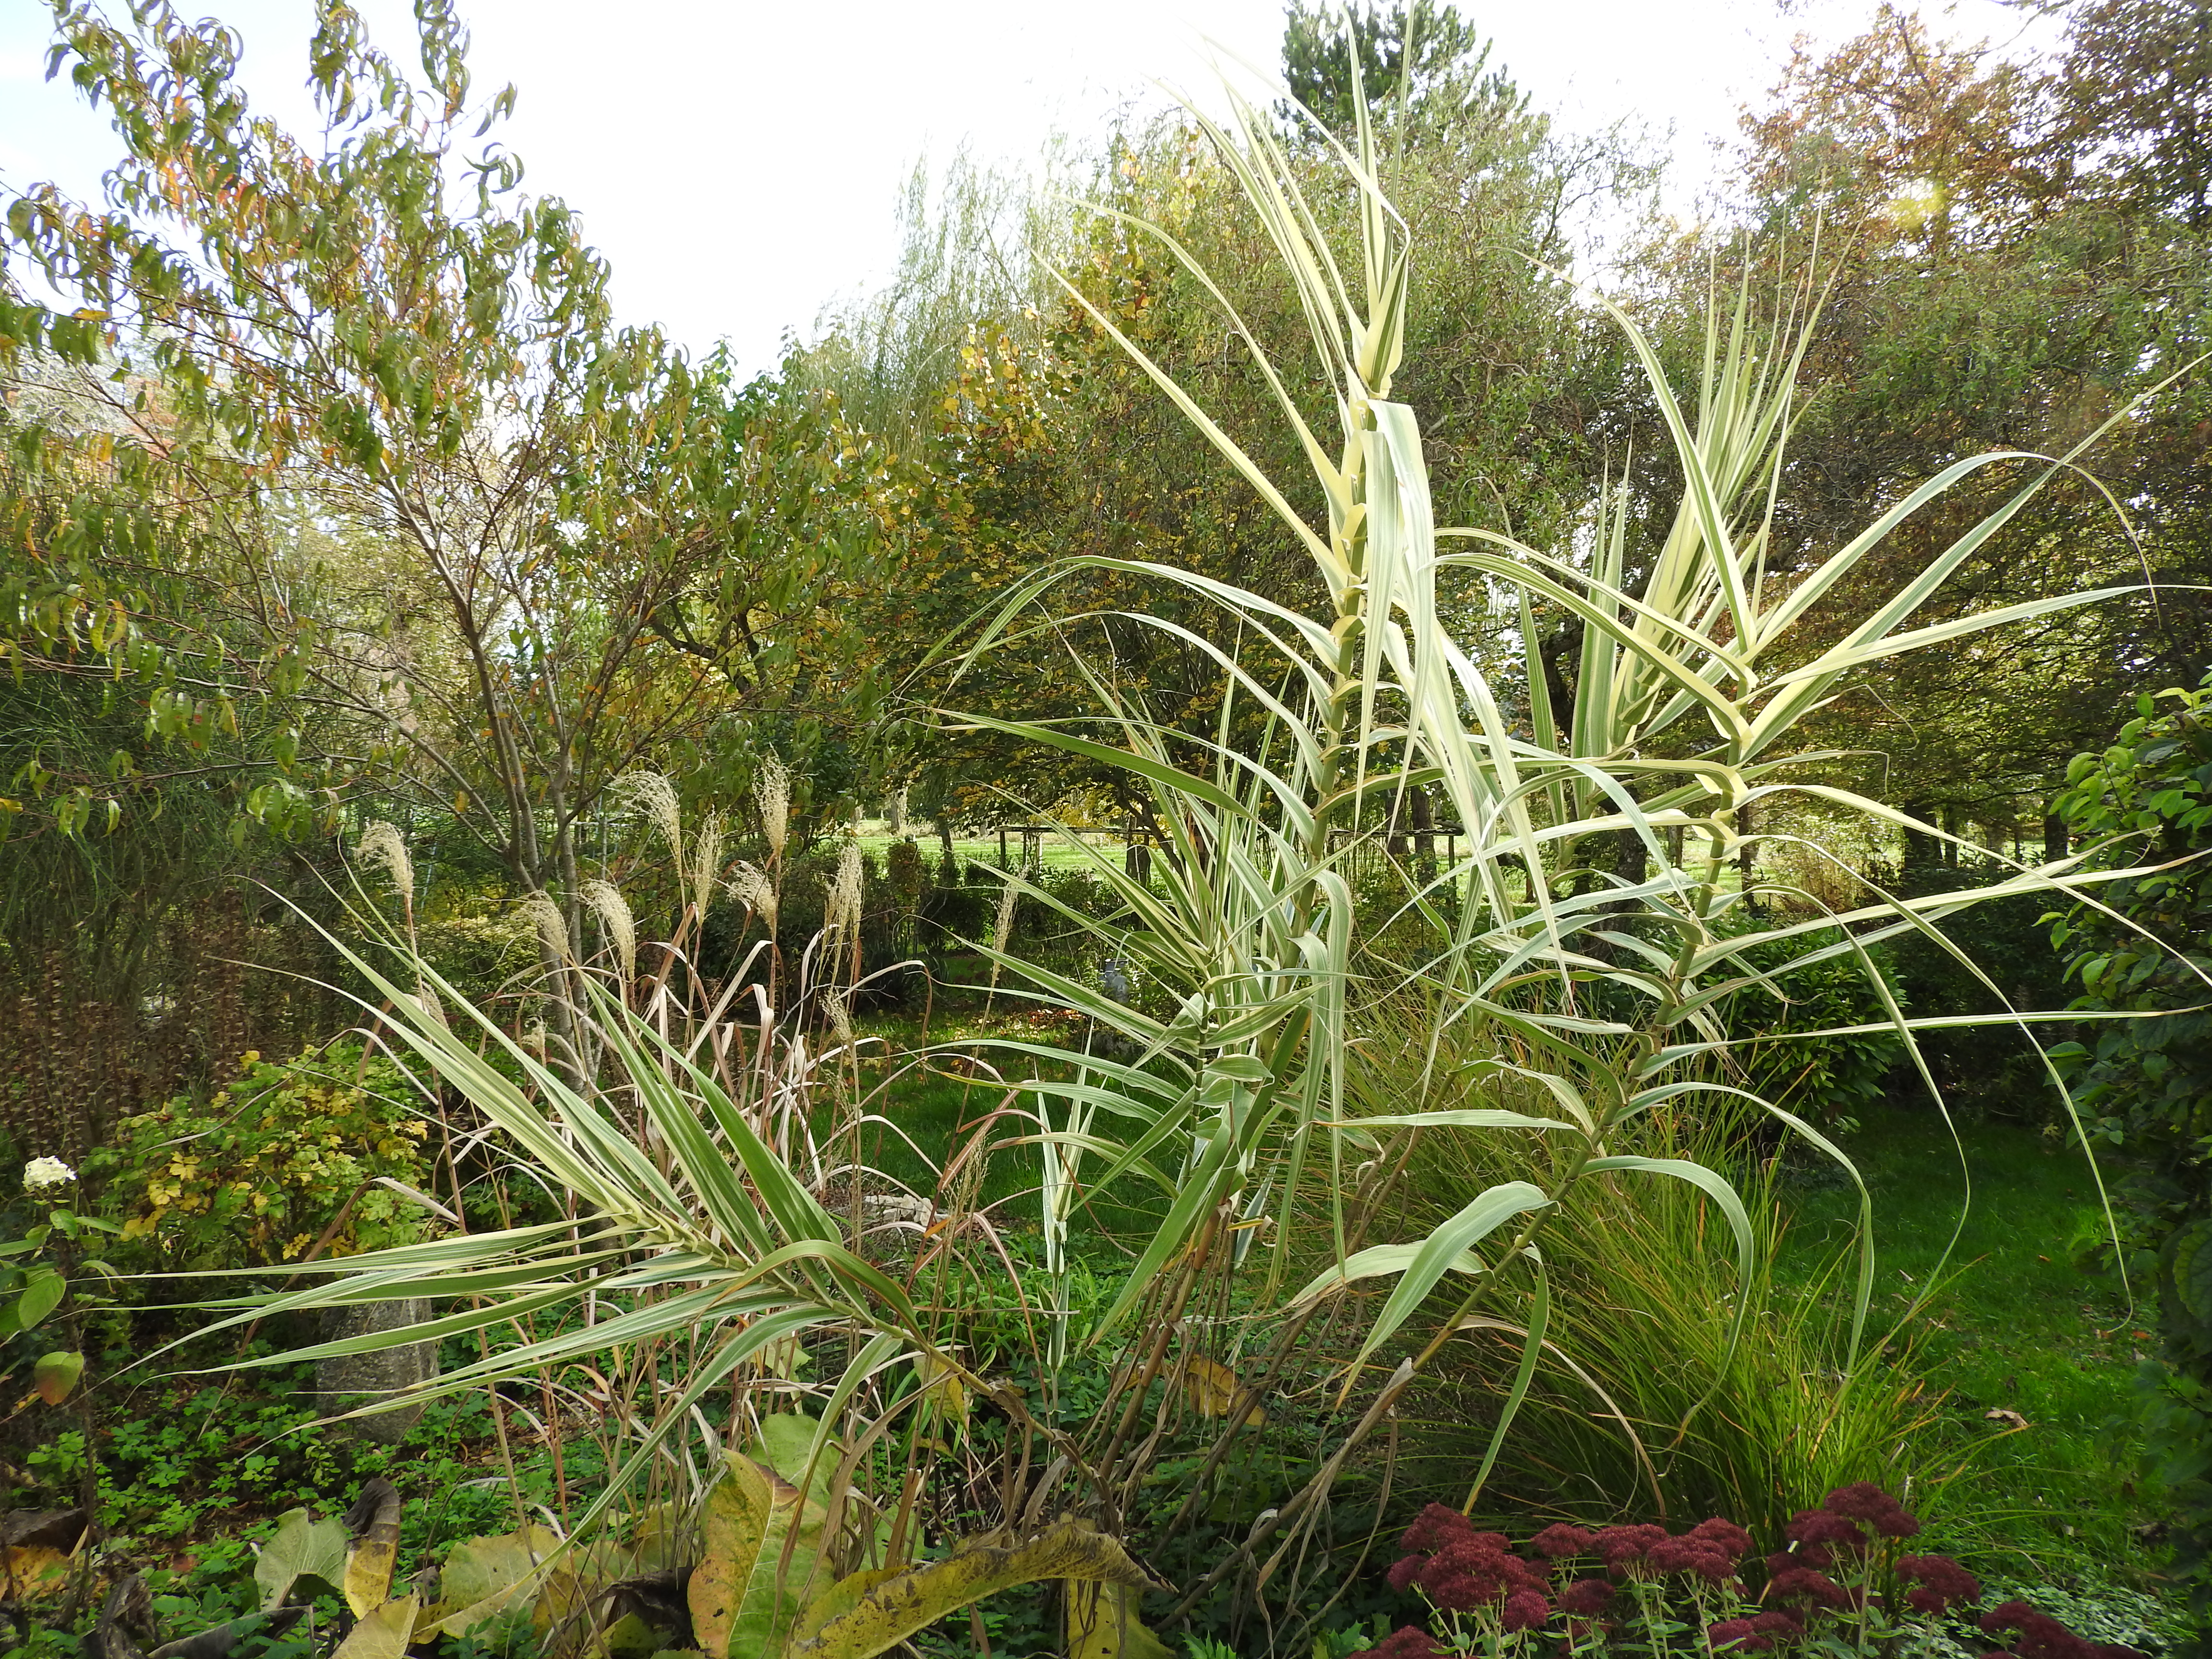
1410	1641
1560	1542
1586	1597
1436	1527
1736	1635
1937	1581
1526	1609
1624	1547
1865	1502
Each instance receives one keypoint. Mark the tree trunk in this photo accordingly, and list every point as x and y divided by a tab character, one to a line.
1921	848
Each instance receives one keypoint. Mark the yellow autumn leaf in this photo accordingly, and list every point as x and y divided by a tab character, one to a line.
1102	1623
374	1550
39	1569
382	1632
1213	1389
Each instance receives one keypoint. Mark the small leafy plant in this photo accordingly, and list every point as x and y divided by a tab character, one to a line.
35	1272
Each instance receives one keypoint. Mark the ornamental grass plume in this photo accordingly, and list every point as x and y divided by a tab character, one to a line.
772	794
651	795
552	927
841	908
749	885
382	843
838	1006
706	860
606	901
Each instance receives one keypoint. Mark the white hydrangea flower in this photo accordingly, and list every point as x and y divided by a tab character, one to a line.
41	1173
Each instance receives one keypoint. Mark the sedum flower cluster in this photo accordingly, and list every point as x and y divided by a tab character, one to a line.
1841	1583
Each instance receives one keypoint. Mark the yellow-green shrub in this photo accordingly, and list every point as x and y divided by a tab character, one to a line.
258	1173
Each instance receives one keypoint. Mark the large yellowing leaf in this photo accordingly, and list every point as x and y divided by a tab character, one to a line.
1102	1623
889	1611
484	1576
655	1543
841	1598
1213	1389
382	1632
375	1549
762	1540
301	1547
35	1567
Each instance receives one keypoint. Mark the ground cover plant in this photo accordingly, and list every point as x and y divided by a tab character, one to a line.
1118	1308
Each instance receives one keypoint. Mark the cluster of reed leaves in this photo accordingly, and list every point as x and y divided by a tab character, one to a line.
1585	988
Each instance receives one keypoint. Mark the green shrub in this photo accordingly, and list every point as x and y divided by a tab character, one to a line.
1827	1078
2144	1086
288	1153
478	940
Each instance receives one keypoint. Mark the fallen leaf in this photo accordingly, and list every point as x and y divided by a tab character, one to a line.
2006	1415
37	1568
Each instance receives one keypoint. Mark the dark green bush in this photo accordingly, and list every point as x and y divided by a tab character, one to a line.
1828	1079
2143	1086
1988	1069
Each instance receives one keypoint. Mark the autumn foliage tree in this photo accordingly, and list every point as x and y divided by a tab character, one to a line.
536	549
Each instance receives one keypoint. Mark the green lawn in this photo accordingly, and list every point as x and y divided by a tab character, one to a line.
1055	851
2035	1351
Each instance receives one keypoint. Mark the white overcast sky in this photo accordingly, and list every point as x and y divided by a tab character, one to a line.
739	162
